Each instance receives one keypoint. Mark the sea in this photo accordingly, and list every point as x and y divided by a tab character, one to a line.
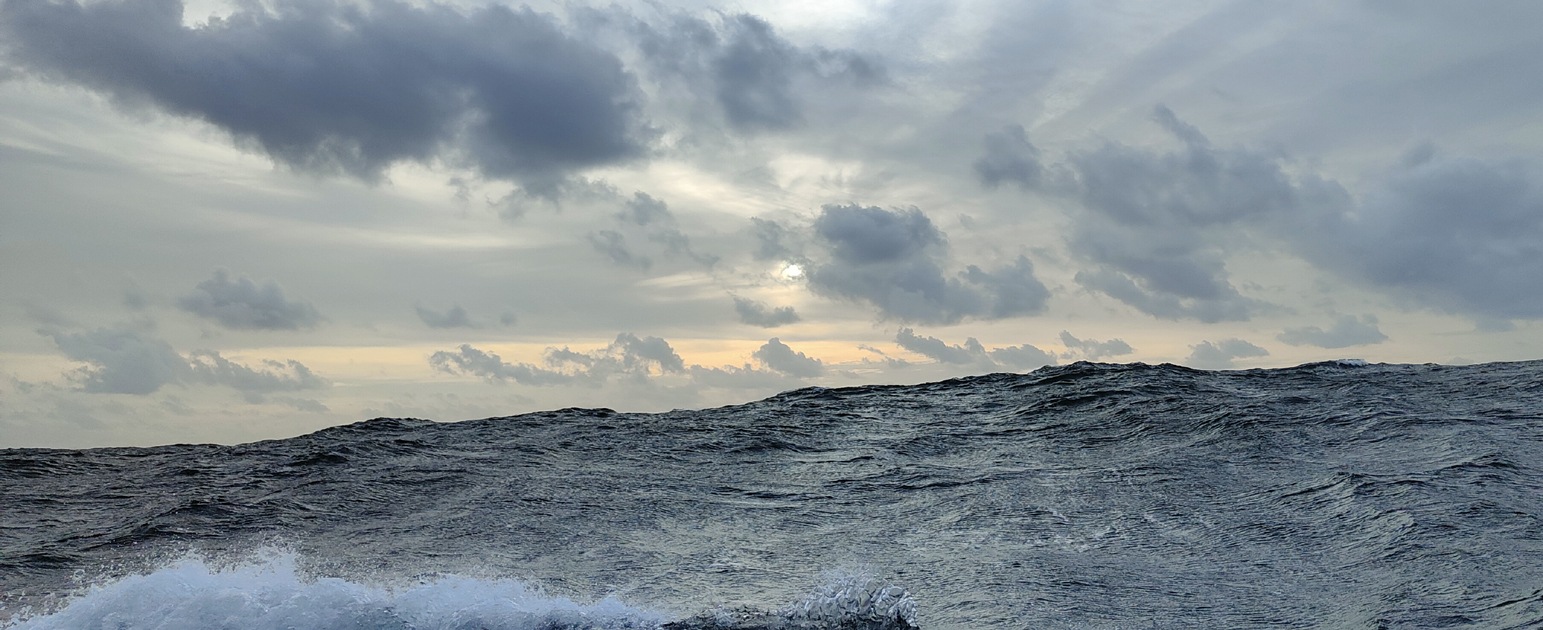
1328	495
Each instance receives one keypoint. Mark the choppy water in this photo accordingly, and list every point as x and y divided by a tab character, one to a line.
1332	495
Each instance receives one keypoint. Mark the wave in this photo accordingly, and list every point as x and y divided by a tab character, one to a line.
270	591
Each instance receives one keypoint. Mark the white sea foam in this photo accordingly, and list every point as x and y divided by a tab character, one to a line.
269	593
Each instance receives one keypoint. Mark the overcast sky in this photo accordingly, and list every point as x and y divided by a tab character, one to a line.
227	222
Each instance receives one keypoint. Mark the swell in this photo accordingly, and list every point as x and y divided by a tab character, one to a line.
1085	494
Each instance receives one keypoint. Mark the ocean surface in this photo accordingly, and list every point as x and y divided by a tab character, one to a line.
1329	495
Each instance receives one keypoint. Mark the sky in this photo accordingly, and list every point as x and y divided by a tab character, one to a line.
226	222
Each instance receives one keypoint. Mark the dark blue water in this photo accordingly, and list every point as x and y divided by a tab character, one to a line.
1331	495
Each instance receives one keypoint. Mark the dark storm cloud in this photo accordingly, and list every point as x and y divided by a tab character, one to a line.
893	261
777	356
628	356
455	317
1347	331
1455	235
757	313
973	353
128	361
1219	355
1093	350
342	87
244	305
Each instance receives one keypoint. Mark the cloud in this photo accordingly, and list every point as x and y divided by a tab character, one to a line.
1092	350
1009	157
973	353
489	366
243	305
614	245
1454	235
772	240
342	87
1347	331
121	360
207	366
643	209
777	356
757	313
1219	355
759	81
629	356
893	261
743	377
455	317
646	220
1450	234
127	361
1157	226
1021	357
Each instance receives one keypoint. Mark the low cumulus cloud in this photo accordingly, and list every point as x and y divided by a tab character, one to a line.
1346	331
775	364
757	313
330	86
243	304
128	361
893	260
777	356
780	367
1093	350
627	356
1220	355
1024	356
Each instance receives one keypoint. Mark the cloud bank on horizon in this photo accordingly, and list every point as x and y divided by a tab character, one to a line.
235	221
